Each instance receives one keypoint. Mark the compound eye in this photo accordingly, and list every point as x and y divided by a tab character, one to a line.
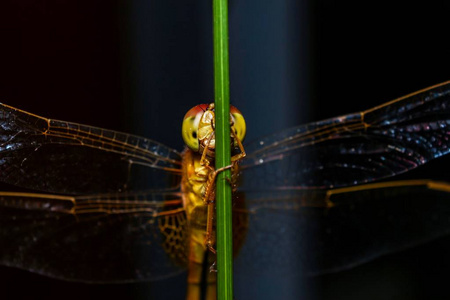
189	129
239	123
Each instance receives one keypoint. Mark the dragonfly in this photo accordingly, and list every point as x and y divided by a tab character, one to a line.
102	206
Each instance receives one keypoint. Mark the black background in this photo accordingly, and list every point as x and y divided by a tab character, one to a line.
138	66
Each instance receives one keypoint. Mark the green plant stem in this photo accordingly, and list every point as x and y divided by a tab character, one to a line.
222	112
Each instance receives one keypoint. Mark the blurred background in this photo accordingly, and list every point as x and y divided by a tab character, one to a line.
138	66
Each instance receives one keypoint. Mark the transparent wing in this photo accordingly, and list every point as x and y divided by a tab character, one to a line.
99	238
286	179
325	231
69	158
358	148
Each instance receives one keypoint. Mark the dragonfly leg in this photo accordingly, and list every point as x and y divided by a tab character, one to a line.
209	238
210	184
204	161
208	200
242	154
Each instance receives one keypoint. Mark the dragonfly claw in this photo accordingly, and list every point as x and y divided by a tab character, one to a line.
213	268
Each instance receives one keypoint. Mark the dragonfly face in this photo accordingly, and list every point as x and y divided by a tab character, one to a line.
199	125
121	194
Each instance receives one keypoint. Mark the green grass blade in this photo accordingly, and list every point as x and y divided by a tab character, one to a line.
222	112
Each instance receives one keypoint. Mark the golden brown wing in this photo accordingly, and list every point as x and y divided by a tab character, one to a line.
99	238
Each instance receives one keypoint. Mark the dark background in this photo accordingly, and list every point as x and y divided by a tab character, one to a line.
138	66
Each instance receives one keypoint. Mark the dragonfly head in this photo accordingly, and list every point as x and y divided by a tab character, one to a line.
199	125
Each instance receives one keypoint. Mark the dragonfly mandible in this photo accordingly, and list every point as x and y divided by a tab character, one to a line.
120	194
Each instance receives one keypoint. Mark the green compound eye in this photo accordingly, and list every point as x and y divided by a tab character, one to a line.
189	132
239	123
189	129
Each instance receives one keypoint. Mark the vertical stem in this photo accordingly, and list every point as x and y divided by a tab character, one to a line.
222	112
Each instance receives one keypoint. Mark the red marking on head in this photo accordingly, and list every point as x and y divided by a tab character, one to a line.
199	109
234	110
